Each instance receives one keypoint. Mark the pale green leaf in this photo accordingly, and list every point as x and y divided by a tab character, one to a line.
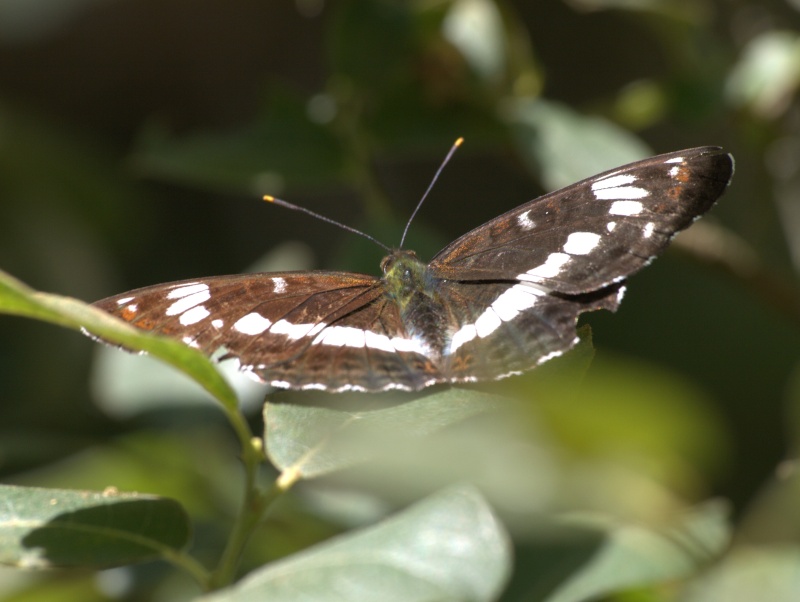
449	547
315	441
768	73
632	556
749	574
475	27
41	528
564	146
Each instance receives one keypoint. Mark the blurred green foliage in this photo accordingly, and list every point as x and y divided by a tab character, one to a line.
136	138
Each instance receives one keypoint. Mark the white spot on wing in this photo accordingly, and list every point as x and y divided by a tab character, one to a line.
296	331
613	181
674	160
549	269
184	290
505	308
524	221
463	335
381	342
610	226
280	285
515	300
487	322
553	355
341	336
123	301
626	208
409	346
648	229
190	342
623	192
194	315
618	187
217	323
252	324
184	303
581	243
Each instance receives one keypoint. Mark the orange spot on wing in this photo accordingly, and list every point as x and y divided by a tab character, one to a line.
127	314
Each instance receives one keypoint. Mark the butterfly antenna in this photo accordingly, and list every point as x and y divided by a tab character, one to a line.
453	149
282	203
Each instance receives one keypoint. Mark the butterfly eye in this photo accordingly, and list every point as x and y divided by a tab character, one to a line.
386	263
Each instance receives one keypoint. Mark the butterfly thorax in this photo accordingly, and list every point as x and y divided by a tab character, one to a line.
410	285
404	275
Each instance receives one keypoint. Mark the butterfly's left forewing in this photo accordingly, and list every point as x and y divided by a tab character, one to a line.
300	330
596	232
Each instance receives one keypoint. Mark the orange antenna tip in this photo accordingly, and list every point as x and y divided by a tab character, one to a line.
268	198
459	142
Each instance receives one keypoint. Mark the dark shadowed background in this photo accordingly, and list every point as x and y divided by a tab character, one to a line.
137	137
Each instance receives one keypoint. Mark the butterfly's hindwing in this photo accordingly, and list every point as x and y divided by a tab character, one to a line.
507	328
595	232
364	351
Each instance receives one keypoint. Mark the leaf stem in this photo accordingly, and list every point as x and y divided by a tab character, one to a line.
255	504
190	565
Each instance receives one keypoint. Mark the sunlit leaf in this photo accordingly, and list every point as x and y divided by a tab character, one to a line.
18	299
449	547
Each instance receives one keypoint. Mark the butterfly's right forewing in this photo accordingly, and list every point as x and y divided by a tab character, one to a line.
596	232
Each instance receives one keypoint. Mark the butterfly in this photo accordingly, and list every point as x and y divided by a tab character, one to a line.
497	301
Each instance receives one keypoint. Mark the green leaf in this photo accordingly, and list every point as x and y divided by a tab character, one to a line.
316	441
18	299
593	557
565	146
371	42
284	146
42	528
450	546
639	414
